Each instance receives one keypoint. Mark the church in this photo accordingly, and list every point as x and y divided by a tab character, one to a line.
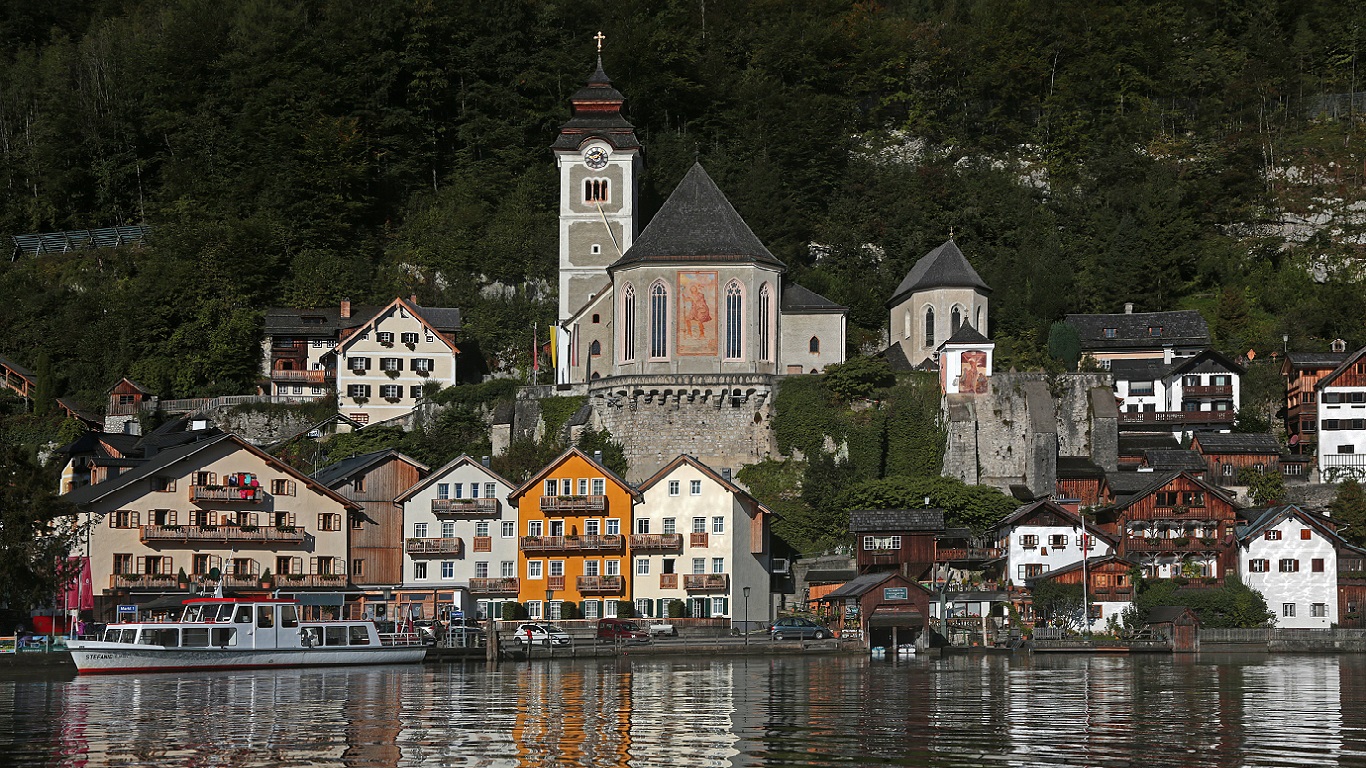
694	293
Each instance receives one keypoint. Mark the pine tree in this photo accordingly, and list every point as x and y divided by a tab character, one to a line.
1348	509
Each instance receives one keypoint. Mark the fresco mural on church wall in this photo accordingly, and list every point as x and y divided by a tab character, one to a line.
697	313
972	378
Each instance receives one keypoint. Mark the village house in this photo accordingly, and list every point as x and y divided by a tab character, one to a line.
1178	526
221	511
574	516
703	542
885	608
1290	556
374	481
1226	455
464	501
1109	588
1044	536
901	540
1081	483
1302	372
1200	392
1164	336
1341	396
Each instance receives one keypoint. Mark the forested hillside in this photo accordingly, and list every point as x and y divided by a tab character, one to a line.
1083	153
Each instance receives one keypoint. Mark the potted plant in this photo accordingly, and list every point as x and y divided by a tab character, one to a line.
1180	541
182	579
267	580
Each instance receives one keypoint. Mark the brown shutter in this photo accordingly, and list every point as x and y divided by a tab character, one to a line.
137	519
141	564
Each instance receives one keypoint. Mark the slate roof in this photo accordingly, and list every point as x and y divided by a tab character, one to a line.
829	576
90	493
944	267
874	520
1183	327
1259	443
1127	483
1316	359
1135	443
799	300
1077	467
342	470
860	585
1344	366
1162	460
1152	369
1091	563
966	334
697	223
597	114
288	321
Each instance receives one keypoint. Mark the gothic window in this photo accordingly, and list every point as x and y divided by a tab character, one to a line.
955	319
734	321
929	326
595	191
595	348
977	323
765	323
628	324
906	332
659	321
814	345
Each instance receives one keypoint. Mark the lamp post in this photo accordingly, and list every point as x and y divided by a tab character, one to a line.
745	620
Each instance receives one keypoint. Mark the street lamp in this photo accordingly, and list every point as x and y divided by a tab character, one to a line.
745	619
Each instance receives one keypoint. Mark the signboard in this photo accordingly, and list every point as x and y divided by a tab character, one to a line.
896	593
128	609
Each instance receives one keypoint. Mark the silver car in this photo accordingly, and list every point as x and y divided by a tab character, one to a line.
541	634
798	627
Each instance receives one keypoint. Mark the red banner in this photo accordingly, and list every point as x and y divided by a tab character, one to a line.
79	592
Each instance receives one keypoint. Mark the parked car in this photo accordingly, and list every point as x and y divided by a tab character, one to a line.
662	629
460	636
796	627
541	634
621	629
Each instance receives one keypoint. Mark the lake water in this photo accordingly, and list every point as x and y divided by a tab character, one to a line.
744	711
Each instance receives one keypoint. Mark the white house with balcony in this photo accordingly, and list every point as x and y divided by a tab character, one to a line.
460	533
1182	395
1043	536
1290	556
701	540
384	364
1342	420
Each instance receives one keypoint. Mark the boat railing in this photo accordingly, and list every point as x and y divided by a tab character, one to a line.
400	638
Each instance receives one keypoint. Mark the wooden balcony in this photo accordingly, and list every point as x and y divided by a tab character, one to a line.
1208	391
442	546
668	581
656	541
482	585
555	583
879	557
601	585
224	493
1180	513
564	504
466	507
483	543
316	377
1190	544
296	580
706	582
570	543
184	534
697	539
1113	594
142	581
1178	417
965	554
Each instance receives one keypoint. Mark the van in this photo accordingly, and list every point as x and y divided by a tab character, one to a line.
621	630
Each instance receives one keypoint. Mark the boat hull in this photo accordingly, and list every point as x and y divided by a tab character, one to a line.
97	657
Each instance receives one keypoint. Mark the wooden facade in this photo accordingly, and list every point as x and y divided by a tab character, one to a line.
904	540
1302	372
1351	587
891	609
1180	527
126	398
1087	491
377	529
1224	459
1107	580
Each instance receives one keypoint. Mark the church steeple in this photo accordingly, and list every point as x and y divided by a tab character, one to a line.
596	110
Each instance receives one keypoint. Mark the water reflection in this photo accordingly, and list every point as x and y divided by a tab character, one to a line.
961	711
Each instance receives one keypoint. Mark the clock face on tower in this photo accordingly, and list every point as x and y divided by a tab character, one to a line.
595	158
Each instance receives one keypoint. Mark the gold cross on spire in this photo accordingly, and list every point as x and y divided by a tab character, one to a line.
599	37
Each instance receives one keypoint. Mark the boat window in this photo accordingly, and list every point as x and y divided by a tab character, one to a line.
335	635
289	616
224	636
166	636
311	637
224	612
193	614
243	615
195	637
360	635
265	616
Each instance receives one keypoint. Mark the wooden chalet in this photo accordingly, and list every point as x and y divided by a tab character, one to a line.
1082	482
1351	586
1225	454
1179	526
896	539
1134	446
1178	623
1302	371
126	398
1163	460
374	481
889	609
1109	585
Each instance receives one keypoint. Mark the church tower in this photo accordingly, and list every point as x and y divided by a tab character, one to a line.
598	155
941	294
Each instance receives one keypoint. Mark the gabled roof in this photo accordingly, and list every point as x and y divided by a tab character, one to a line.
1162	460
1235	442
1189	363
1258	520
862	585
593	299
425	315
89	494
697	224
1161	479
445	470
800	301
877	520
1317	360
1150	369
1132	331
550	468
342	471
1047	505
1351	360
1135	443
966	334
137	386
1091	564
944	267
683	459
323	321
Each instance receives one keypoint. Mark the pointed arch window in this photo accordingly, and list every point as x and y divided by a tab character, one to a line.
906	321
659	321
765	323
628	324
735	323
929	326
814	345
977	322
955	319
595	348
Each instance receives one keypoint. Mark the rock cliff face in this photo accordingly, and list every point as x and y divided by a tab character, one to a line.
1011	437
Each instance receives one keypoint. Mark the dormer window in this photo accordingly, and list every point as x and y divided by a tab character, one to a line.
313	320
1111	333
386	338
1154	330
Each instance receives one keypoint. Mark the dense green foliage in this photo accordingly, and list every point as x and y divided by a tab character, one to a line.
1264	488
301	151
965	506
1348	509
1232	605
1058	605
35	537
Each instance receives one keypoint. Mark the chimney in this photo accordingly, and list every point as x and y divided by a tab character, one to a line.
597	457
345	309
1128	307
725	474
484	461
1339	345
412	299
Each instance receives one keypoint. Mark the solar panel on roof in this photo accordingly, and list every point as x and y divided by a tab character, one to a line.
77	240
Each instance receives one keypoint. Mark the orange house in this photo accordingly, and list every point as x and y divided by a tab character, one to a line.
574	518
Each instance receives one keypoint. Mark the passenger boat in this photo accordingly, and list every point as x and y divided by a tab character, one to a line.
241	633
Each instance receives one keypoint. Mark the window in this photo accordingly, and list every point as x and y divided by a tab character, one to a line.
535	528
613	567
447	529
1111	333
1288	610
814	345
1272	535
447	569
1033	570
358	567
643	566
596	191
408	337
566	487
695	488
1316	565
613	527
533	609
420	571
874	543
481	528
718	525
765	320
534	569
929	326
1259	565
643	525
124	518
443	490
419	530
583	486
357	390
1087	542
590	568
282	487
358	364
1154	330
1029	541
123	563
329	521
955	319
699	525
659	321
595	348
481	569
390	364
670	525
385	337
673	487
1319	610
508	529
699	565
735	323
1166	498
474	490
599	486
1306	534
628	324
592	527
1290	566
163	484
1058	541
718	565
556	568
552	488
507	569
423	364
391	392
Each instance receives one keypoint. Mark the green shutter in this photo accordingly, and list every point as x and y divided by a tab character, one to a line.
725	606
